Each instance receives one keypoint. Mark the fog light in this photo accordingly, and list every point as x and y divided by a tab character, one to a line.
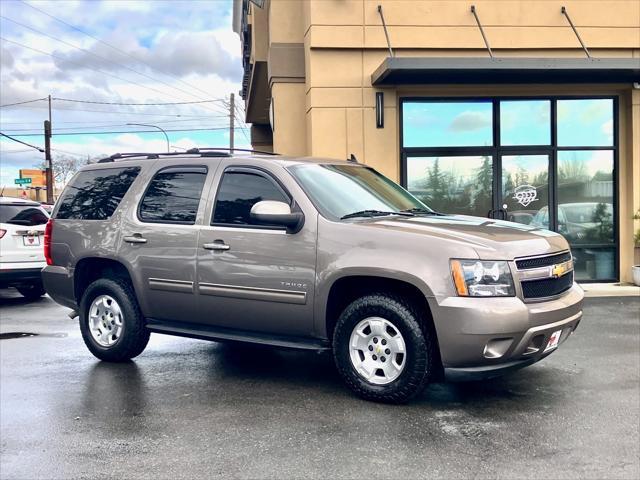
497	347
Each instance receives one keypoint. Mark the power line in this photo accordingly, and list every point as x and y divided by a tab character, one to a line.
6	152
112	123
86	67
142	104
23	143
127	131
22	103
16	130
122	52
121	112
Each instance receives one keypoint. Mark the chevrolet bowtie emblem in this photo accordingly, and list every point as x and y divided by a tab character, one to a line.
560	269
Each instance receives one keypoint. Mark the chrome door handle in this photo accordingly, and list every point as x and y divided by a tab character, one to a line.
135	239
216	246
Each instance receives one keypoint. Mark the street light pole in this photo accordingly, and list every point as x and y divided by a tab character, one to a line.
154	126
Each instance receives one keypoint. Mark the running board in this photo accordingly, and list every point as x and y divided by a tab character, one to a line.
208	332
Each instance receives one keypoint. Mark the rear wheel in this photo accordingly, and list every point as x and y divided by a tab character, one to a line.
31	291
381	350
111	323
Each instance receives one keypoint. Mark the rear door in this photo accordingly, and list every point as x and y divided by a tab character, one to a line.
159	240
255	277
21	234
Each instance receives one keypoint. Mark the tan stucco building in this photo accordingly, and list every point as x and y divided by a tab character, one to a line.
499	112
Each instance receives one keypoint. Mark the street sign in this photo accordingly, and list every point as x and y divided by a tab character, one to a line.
22	181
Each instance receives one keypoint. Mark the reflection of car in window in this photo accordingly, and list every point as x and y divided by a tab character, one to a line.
580	221
522	216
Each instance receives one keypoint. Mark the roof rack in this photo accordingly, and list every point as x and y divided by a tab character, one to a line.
203	152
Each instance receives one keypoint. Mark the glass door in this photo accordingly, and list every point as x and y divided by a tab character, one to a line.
524	193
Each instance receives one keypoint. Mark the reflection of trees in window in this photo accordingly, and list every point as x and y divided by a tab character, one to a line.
484	194
450	192
95	194
572	170
602	230
173	196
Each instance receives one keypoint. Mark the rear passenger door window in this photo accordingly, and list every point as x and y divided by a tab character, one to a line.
240	189
95	194
173	196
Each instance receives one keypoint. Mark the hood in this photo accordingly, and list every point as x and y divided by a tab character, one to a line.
491	239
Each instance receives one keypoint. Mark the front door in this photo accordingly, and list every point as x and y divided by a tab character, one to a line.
524	190
255	277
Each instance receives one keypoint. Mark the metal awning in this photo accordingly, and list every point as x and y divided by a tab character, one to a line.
421	71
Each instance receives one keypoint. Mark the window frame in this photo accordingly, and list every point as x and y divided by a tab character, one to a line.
497	150
162	170
263	172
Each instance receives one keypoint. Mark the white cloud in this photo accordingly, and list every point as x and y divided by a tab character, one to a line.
469	120
187	45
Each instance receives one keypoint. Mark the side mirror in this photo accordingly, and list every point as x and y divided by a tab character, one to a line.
269	212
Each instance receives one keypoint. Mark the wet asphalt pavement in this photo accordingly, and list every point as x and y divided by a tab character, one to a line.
188	408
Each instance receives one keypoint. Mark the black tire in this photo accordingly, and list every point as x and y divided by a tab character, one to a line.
31	291
134	336
419	362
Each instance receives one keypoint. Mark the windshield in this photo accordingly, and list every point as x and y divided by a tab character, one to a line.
340	190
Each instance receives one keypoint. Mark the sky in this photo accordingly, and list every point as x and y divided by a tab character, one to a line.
116	52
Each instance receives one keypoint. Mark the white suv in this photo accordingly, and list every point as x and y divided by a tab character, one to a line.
22	224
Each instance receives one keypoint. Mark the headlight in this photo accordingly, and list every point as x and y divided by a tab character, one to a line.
481	278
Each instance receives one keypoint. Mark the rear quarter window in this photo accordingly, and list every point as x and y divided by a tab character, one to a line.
95	194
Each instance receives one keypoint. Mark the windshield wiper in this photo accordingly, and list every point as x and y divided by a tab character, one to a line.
421	211
374	213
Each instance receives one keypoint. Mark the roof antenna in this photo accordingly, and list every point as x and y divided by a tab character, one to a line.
352	159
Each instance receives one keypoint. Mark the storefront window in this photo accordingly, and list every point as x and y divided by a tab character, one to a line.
447	124
585	123
452	163
459	185
585	210
525	122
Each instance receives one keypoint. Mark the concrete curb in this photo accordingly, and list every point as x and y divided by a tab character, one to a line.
610	290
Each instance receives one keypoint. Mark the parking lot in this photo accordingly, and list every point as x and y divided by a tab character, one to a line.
188	408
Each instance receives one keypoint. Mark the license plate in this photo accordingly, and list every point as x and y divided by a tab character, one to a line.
553	340
31	241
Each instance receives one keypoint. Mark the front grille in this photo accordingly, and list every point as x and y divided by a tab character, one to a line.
543	261
547	287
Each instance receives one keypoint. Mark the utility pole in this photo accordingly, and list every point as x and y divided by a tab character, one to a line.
232	117
47	153
47	156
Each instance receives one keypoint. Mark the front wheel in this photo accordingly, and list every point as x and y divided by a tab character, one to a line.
381	350
111	323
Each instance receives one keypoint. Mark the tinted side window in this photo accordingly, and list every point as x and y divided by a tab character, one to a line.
238	192
173	195
28	216
95	194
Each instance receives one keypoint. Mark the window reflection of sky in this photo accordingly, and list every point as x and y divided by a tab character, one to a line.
525	122
438	124
585	122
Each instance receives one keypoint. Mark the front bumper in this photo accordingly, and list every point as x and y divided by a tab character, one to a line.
486	337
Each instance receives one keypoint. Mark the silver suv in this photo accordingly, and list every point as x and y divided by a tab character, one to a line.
304	253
